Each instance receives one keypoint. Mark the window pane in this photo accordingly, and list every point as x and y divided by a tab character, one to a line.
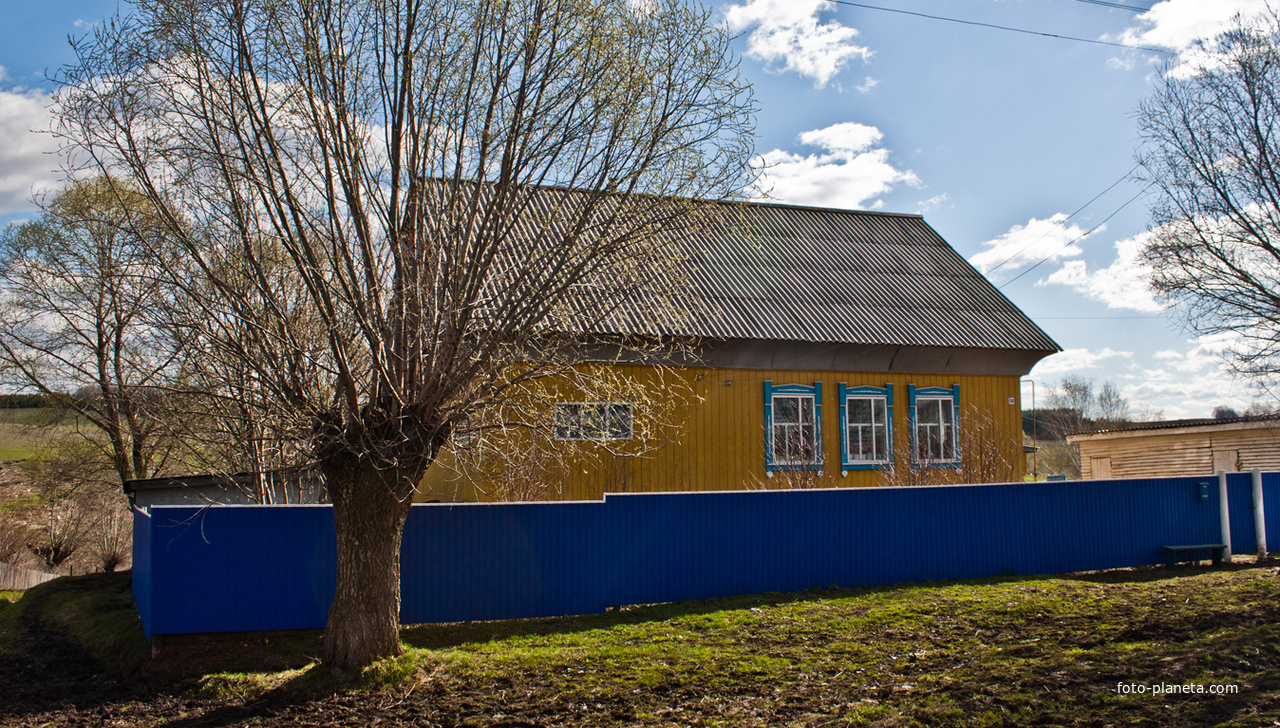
927	411
794	430
935	428
619	425
566	421
867	432
593	421
860	411
786	409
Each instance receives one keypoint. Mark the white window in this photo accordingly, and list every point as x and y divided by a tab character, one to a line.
793	426
593	421
933	419
867	429
795	432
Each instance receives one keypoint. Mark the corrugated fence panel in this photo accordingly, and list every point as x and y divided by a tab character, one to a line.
497	561
702	545
1271	508
233	568
1244	538
240	568
142	565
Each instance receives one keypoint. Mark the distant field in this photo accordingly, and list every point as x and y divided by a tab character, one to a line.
19	439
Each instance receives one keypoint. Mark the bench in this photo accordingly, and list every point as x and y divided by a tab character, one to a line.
1173	555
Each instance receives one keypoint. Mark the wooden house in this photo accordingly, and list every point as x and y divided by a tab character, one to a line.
836	348
1180	447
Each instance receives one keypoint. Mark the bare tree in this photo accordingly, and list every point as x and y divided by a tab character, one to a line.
1223	412
394	214
1210	145
1074	407
77	285
1112	407
989	453
1073	398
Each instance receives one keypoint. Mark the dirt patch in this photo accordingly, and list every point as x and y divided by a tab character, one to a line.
1038	651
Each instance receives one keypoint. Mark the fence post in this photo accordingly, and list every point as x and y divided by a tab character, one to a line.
1259	517
1224	516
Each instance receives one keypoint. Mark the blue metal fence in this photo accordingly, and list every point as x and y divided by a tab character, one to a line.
240	568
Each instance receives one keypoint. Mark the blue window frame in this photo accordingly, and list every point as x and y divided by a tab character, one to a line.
935	412
866	427
793	426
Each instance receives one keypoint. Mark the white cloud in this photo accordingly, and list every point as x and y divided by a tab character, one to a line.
1072	360
1122	285
934	202
867	85
1190	383
852	171
787	36
1023	245
1179	24
27	162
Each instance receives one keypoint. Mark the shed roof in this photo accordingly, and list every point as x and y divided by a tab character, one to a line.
1206	424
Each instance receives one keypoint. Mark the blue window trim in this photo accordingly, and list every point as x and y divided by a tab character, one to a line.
954	393
846	463
814	391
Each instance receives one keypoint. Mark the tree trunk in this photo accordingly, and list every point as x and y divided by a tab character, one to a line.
364	621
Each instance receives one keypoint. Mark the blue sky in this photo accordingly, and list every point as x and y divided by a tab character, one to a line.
995	136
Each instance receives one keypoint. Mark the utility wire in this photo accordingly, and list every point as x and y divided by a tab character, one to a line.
1082	236
1077	212
993	26
1117	6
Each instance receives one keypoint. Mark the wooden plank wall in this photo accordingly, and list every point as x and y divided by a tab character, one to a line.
717	440
1147	455
18	579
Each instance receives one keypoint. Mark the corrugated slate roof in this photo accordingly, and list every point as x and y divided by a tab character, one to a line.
787	273
1225	423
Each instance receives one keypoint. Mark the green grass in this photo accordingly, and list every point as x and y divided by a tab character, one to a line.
20	503
1016	651
20	433
95	612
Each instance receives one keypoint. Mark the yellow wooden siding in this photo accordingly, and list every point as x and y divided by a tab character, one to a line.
1186	453
717	440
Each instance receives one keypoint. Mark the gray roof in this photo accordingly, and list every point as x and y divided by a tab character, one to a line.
1225	423
787	273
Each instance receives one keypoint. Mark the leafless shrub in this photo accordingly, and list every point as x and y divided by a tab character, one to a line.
989	453
81	506
15	538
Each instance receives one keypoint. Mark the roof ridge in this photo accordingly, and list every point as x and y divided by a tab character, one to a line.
818	208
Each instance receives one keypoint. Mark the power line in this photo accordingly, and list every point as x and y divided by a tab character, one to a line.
1117	6
1077	212
1073	241
1004	27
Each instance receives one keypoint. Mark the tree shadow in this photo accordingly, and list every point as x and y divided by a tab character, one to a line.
455	634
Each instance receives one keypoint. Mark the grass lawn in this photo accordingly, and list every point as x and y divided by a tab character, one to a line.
18	438
1073	650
